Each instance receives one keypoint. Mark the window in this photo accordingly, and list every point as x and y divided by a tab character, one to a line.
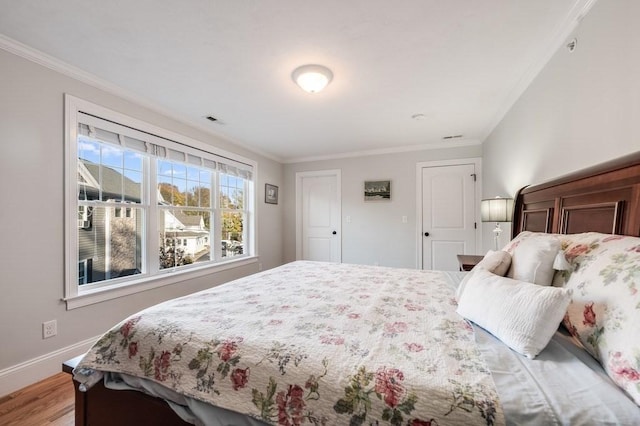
84	271
150	204
232	193
84	216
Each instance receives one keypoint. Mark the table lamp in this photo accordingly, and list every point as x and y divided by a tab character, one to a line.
496	210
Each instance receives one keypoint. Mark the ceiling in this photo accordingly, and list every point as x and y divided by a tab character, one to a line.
459	63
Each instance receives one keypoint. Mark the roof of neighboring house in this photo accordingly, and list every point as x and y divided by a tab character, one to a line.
113	183
188	220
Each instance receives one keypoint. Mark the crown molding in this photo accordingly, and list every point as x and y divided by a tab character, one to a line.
541	58
385	151
558	37
27	52
54	64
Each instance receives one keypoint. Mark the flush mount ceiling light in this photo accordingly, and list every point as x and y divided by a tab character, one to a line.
312	78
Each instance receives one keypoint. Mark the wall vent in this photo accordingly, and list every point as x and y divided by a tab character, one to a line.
452	137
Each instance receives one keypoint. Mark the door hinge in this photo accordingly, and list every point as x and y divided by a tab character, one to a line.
474	176
475	225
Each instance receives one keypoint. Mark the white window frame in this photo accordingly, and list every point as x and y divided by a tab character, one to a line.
76	295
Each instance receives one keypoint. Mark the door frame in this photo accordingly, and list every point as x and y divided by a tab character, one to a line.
477	162
317	173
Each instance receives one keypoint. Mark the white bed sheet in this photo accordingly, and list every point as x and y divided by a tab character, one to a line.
564	385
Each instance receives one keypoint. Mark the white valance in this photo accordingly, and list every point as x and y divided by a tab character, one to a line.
136	140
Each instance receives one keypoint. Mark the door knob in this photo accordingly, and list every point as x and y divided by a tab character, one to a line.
334	232
426	234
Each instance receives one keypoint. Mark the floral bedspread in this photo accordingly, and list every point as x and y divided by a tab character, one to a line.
314	343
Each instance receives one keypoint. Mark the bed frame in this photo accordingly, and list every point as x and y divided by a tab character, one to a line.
101	406
604	198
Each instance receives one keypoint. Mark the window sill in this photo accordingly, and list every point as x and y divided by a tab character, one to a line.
98	295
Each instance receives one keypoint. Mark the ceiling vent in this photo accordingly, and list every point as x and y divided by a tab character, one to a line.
211	118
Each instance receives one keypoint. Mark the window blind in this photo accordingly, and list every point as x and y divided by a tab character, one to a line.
140	141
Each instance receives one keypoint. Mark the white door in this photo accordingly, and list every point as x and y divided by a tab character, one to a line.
448	215
319	211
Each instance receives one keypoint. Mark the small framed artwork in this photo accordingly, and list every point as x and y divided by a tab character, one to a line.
270	194
377	190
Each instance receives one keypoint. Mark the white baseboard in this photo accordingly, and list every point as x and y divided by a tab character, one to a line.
36	369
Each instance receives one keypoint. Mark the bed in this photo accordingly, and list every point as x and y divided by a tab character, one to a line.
316	343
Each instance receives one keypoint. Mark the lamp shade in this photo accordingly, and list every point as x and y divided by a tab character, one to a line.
496	210
312	78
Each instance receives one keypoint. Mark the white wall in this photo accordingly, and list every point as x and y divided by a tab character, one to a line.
581	110
376	234
32	214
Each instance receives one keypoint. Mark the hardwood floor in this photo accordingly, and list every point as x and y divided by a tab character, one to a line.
49	402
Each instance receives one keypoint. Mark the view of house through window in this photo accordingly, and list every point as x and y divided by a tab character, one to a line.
110	180
232	190
185	222
134	195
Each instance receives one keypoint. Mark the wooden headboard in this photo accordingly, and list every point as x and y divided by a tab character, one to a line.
604	198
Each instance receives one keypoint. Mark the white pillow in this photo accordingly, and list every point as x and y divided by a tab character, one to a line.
497	262
523	315
532	259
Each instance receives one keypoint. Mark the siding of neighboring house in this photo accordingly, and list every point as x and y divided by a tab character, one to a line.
112	242
121	241
91	243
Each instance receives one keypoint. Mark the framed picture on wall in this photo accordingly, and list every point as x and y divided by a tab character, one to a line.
270	194
377	190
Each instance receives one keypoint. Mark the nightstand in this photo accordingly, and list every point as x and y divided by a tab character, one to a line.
468	261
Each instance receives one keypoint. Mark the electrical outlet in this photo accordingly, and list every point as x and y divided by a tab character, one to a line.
259	267
49	329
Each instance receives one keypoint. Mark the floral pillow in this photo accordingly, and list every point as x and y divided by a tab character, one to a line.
604	313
